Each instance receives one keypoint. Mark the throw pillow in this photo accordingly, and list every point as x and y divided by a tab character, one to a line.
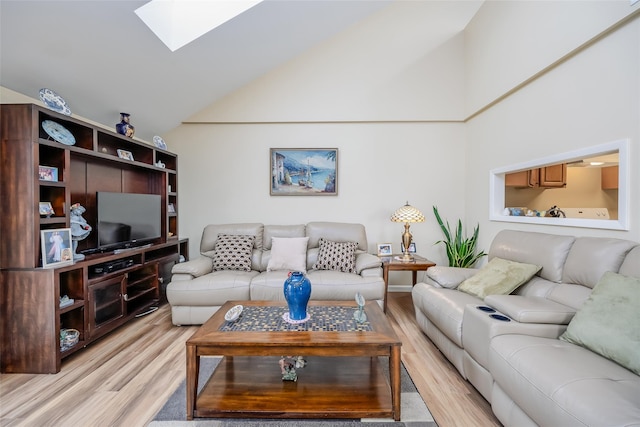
288	253
608	323
233	252
336	256
498	277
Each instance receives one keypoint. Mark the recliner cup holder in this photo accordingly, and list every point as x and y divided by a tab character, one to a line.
500	317
485	309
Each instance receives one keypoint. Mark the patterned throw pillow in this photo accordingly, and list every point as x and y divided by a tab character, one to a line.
233	252
336	256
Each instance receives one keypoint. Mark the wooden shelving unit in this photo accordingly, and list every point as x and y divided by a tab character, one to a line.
30	309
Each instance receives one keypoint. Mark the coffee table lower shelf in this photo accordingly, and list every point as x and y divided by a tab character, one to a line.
328	387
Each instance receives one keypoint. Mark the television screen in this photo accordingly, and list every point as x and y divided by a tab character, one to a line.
127	219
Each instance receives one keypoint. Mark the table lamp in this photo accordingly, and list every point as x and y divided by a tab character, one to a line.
407	214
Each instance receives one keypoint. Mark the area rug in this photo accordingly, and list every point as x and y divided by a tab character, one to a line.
414	412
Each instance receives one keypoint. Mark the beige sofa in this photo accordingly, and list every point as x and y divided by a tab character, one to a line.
507	346
197	291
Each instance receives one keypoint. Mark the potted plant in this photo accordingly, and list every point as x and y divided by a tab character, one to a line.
461	251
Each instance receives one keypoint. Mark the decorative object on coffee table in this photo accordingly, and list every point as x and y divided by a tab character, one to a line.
80	229
125	127
297	291
359	314
407	214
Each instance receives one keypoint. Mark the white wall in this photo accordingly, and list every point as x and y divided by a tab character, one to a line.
388	93
590	99
224	176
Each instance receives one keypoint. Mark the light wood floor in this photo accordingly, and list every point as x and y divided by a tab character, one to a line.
125	378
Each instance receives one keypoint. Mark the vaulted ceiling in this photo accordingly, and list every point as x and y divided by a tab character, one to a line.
102	59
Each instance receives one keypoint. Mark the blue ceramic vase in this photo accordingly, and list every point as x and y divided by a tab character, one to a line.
124	127
297	291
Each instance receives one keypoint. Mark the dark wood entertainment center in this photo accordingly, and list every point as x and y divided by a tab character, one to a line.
108	288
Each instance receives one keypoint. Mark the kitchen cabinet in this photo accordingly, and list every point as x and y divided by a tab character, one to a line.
523	179
609	178
553	176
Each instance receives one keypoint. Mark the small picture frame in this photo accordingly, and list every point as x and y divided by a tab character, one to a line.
45	209
412	248
48	173
56	247
385	249
171	208
124	154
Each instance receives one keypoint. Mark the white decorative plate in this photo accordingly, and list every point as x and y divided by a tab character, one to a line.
54	102
159	142
233	313
58	132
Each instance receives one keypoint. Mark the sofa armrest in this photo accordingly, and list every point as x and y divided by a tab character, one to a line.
531	309
448	277
196	267
365	261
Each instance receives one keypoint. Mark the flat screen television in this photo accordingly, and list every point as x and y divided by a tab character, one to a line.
128	219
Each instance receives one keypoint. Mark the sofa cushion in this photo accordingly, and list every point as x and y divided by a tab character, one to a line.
337	232
561	384
233	252
498	277
608	322
590	257
288	253
338	256
547	250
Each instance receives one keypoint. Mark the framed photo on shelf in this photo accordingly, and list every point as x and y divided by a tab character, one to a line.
303	171
412	248
45	209
171	208
48	173
124	154
385	249
56	247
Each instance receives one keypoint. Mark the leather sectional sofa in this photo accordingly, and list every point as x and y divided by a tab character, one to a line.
198	288
508	346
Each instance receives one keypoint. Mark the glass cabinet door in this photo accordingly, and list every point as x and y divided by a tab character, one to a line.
107	304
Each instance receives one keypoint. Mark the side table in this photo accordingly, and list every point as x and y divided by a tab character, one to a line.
390	263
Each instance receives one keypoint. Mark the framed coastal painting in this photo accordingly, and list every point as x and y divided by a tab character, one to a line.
303	171
56	247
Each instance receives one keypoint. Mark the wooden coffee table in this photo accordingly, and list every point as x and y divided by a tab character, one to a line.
343	377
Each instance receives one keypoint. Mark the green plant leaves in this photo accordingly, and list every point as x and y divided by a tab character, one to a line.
461	250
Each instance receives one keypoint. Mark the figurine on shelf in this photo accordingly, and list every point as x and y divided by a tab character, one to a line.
125	127
80	229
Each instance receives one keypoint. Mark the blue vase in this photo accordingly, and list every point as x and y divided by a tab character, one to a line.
124	127
297	291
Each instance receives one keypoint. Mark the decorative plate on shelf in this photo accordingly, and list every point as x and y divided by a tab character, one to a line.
54	102
159	142
58	132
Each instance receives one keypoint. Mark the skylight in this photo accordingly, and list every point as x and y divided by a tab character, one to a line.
179	22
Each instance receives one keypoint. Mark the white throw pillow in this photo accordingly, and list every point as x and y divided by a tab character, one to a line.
288	253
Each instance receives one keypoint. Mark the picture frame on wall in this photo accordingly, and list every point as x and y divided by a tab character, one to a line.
57	247
303	171
47	173
385	249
